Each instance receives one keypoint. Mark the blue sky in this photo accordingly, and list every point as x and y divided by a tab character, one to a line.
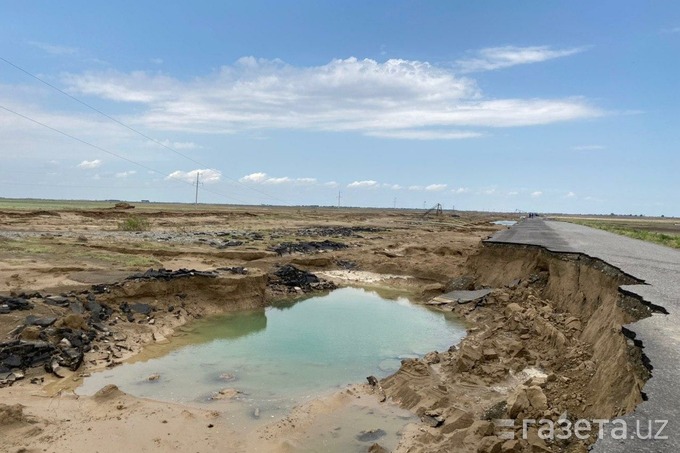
535	105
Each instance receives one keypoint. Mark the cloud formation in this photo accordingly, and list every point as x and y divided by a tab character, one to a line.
493	58
88	164
424	134
400	99
254	177
175	145
429	187
263	178
207	176
362	184
54	49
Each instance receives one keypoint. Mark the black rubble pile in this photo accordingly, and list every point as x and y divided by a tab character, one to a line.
307	247
166	274
18	355
338	231
228	244
54	342
58	301
130	310
346	264
8	304
53	349
81	324
293	279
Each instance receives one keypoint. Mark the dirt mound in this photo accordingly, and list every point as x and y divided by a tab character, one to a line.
108	393
307	247
288	280
11	414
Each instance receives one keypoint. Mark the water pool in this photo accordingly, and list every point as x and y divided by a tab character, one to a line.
287	354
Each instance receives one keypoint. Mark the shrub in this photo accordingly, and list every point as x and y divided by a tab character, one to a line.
134	223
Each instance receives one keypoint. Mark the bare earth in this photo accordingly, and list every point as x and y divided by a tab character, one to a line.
534	347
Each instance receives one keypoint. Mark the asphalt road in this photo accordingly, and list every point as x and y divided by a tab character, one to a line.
659	268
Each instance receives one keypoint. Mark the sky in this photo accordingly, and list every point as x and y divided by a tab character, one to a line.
540	106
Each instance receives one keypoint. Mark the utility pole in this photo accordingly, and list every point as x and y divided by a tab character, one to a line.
395	202
339	197
198	174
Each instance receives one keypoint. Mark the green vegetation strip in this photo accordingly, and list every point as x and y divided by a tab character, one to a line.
669	240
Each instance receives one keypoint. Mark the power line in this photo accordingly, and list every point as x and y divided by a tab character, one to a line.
73	137
133	129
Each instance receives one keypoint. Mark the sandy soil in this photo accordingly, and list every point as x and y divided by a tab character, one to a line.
533	349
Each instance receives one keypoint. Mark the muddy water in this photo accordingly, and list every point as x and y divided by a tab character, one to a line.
289	354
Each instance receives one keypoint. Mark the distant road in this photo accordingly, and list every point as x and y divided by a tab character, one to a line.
659	268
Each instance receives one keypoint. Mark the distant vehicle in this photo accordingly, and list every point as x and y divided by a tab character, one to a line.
146	201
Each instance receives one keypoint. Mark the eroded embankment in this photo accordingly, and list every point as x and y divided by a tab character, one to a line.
588	289
548	340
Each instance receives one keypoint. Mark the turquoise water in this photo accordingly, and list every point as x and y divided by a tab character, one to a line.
289	353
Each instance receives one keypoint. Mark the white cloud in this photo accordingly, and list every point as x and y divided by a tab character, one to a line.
460	190
391	186
175	145
54	49
536	194
125	174
424	134
331	184
570	195
281	180
513	193
254	177
206	176
362	184
588	147
156	60
429	188
397	98
503	57
263	178
87	164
